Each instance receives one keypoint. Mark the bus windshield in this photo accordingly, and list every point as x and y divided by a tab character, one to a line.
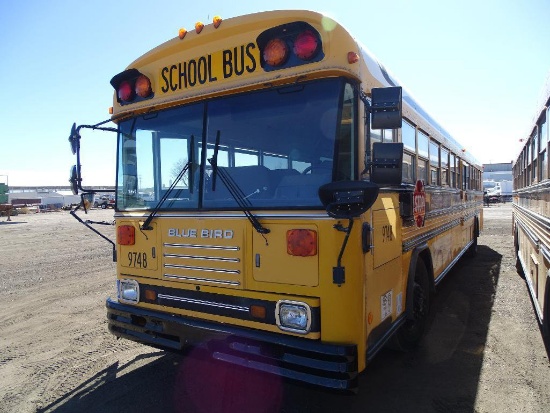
277	146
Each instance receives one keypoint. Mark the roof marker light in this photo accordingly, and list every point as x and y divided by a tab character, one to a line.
182	33
199	26
217	20
353	57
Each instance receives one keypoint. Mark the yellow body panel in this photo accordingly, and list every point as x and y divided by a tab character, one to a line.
145	249
273	264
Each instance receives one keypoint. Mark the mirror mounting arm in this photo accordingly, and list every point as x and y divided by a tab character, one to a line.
74	140
364	98
339	272
73	213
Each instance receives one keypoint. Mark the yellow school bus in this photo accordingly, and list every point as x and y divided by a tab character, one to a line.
531	213
280	199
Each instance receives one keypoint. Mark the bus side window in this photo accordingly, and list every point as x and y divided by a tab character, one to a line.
434	163
409	155
422	141
408	167
375	136
465	176
389	135
444	167
453	170
543	160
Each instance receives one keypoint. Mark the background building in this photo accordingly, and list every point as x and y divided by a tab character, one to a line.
497	172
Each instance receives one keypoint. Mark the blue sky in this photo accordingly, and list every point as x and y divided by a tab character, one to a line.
479	67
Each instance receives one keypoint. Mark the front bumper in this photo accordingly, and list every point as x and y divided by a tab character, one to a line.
314	362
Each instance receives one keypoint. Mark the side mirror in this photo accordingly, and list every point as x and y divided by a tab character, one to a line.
348	199
386	108
74	179
74	140
87	200
387	163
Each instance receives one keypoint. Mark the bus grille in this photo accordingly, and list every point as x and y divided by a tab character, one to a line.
203	264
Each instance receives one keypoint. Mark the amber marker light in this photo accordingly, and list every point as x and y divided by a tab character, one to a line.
182	33
199	26
301	242
111	110
258	311
150	295
217	20
126	235
353	57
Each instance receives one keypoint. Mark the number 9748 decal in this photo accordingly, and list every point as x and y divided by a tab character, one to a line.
137	259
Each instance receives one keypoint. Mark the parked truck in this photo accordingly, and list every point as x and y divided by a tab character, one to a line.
500	192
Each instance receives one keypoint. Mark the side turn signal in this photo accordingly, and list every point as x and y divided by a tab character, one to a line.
301	242
126	235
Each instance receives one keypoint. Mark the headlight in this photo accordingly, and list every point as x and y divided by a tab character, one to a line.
293	316
128	291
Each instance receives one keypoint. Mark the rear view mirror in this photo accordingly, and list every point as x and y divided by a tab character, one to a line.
348	199
387	163
386	108
87	200
74	180
74	139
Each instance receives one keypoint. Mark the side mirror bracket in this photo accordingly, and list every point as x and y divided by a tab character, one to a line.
346	200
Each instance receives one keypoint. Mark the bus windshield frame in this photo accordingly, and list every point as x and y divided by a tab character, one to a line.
277	145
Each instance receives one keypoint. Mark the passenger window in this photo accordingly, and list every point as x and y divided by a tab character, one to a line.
444	167
434	163
423	153
423	170
408	167
453	170
423	144
408	136
465	176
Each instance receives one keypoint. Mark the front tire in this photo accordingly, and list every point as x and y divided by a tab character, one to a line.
409	335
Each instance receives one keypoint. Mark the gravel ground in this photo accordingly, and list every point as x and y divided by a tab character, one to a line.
483	351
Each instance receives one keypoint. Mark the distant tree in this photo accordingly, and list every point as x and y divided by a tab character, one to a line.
175	171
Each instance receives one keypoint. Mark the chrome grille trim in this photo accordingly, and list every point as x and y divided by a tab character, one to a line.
202	257
202	302
203	280
204	247
208	269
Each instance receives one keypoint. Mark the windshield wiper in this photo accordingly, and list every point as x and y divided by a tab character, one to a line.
234	189
146	225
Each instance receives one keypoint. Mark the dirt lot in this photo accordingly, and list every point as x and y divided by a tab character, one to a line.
483	351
